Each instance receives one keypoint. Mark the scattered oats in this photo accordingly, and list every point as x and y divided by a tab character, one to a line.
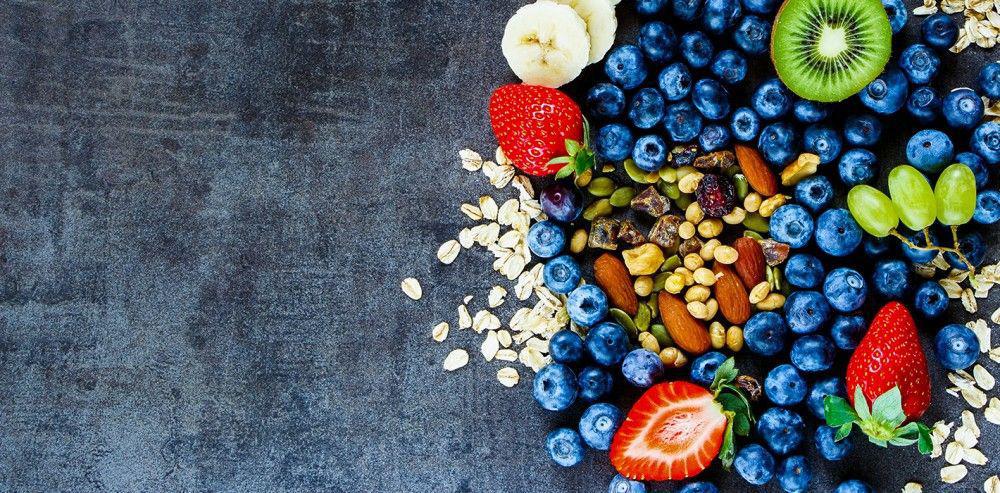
505	215
966	437
490	346
513	267
440	332
992	485
471	160
525	285
521	221
471	211
984	42
962	379
411	287
925	10
964	40
969	422
980	6
913	488
467	299
958	276
984	379
969	301
448	251
532	208
995	354
533	359
508	355
455	360
940	262
941	430
954	453
975	457
926	271
510	239
496	296
503	336
465	238
540	345
523	185
993	411
503	175
953	474
484	320
464	319
488	234
508	376
982	331
974	397
995	318
952	288
488	207
994	18
500	157
952	391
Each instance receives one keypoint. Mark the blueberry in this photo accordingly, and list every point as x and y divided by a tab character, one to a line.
745	124
886	94
837	233
804	271
605	100
720	15
777	143
614	142
675	81
931	300
987	207
607	344
650	7
810	111
813	353
761	6
876	247
939	31
599	423
985	141
555	387
754	464
857	166
819	391
650	152
642	367
714	137
594	383
977	165
546	239
730	66
587	305
626	66
771	100
711	98
972	246
765	333
794	474
919	63
847	331
891	278
753	35
621	484
920	256
862	130
989	80
924	104
565	447
845	289
703	368
854	485
792	224
829	448
781	429
683	122
956	347
697	49
687	10
806	311
565	347
896	10
784	385
658	41
699	487
814	192
561	202
647	108
963	108
824	142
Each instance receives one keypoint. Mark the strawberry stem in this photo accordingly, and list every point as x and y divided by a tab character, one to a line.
735	406
883	423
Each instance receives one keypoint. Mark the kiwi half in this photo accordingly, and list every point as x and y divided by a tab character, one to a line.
829	50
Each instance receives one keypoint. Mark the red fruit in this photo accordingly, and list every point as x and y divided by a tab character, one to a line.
532	124
673	432
890	356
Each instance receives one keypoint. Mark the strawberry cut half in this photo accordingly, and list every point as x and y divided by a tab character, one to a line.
676	429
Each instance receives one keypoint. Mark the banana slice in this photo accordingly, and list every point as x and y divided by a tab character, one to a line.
546	43
601	24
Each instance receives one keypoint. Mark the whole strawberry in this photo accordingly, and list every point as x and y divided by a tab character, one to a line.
540	129
887	383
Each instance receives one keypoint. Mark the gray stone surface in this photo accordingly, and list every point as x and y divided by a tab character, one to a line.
207	209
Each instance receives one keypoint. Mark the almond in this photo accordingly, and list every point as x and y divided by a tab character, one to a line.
687	332
750	263
758	175
613	277
734	302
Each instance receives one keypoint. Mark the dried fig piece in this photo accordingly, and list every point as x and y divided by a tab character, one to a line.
717	159
630	233
664	232
775	252
691	245
604	234
651	202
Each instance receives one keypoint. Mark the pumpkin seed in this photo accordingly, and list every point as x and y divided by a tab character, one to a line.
642	318
671	190
753	234
601	186
671	263
684	200
622	197
756	222
637	175
741	185
654	309
779	279
598	209
660	332
668	174
625	320
660	280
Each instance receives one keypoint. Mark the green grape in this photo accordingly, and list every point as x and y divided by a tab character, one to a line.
956	195
912	196
872	210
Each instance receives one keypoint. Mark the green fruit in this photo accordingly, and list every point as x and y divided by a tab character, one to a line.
872	210
912	197
828	50
955	192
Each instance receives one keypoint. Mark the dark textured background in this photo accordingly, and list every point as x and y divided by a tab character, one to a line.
206	210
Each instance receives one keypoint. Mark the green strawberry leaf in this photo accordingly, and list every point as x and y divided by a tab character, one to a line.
586	133
843	431
838	411
924	443
725	374
561	160
878	441
742	425
861	404
584	161
572	147
728	450
882	423
564	171
888	407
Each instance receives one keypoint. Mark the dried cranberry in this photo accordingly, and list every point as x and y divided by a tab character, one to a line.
715	195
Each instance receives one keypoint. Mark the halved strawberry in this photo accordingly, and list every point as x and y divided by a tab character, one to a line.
677	428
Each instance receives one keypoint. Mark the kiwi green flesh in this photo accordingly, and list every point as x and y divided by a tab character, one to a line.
829	50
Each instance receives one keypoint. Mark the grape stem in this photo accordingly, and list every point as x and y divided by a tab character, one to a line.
943	249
